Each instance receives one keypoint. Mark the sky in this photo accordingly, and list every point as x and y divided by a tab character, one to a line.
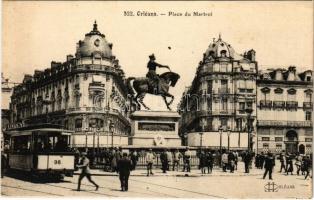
36	33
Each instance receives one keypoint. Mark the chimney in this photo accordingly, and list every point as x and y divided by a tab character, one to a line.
69	57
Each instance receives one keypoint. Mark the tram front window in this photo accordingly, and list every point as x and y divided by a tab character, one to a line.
21	144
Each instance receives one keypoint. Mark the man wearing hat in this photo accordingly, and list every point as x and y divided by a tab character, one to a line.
151	74
85	171
124	168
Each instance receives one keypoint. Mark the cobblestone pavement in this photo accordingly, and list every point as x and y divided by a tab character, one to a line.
173	184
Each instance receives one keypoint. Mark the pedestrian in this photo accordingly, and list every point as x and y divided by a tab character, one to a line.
176	160
307	166
169	159
134	159
289	164
124	168
164	161
149	161
246	159
269	165
236	160
187	158
84	165
202	162
257	161
298	162
210	162
231	159
262	160
224	160
282	159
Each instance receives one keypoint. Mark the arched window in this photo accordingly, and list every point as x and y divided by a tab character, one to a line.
223	53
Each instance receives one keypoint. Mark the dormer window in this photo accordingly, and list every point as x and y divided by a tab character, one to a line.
308	78
223	53
291	91
278	91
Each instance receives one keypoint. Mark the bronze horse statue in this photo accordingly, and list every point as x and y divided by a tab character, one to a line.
143	86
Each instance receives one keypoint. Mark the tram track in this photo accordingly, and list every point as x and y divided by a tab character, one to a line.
156	192
31	190
179	189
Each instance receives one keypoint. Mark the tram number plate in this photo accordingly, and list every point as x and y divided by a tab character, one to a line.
57	162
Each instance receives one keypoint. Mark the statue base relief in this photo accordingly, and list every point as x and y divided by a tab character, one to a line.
155	129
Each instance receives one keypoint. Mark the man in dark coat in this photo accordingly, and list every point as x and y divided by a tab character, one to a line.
307	163
164	161
269	165
247	159
134	159
124	167
231	160
210	162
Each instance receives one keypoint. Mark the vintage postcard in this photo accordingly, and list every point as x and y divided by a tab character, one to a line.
157	99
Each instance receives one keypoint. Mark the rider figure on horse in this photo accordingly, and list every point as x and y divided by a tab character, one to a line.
151	74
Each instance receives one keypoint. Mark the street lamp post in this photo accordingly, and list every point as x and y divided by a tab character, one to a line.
249	112
111	127
228	133
220	134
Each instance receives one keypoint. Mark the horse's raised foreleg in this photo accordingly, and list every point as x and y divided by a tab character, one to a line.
141	98
170	102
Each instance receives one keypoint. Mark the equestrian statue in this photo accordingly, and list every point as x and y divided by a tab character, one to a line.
153	84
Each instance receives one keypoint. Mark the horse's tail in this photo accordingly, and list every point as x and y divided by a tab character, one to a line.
129	86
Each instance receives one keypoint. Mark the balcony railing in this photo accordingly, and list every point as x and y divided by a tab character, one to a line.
223	112
292	105
308	105
277	123
265	104
279	104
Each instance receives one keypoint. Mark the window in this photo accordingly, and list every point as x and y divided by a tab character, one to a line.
308	116
308	139
241	90
239	124
278	139
78	123
224	122
265	138
265	145
241	106
279	146
308	78
249	90
249	104
96	123
224	102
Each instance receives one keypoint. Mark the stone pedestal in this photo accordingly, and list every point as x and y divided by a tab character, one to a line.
155	129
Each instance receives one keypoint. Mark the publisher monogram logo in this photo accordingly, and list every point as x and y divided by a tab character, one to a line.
271	187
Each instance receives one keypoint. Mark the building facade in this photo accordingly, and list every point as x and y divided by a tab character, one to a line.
218	109
284	110
86	94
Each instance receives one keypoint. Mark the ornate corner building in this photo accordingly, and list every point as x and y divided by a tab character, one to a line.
214	107
284	116
84	94
230	104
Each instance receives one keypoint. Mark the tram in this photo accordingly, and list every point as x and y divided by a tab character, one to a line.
41	151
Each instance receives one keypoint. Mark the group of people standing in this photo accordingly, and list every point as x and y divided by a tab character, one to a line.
303	163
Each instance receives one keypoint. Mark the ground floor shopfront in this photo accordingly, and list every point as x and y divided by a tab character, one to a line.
288	139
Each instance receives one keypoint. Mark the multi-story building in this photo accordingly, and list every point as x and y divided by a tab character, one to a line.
221	101
6	92
284	110
84	94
